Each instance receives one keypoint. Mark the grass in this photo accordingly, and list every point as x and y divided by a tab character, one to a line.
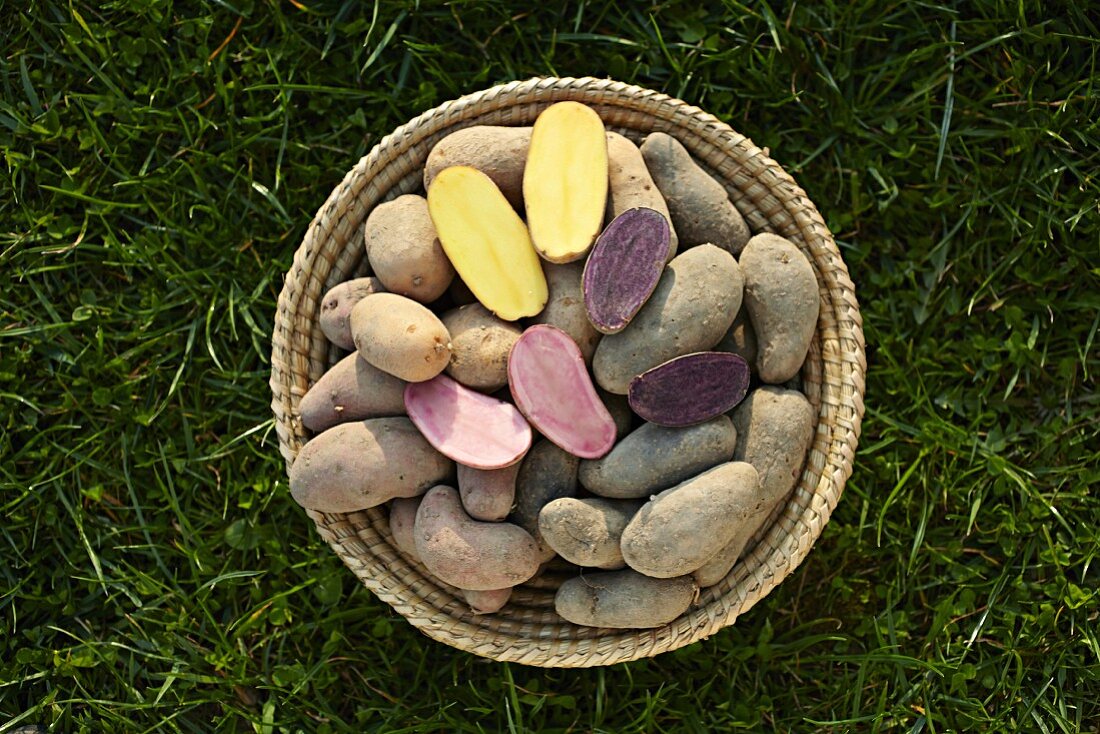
161	162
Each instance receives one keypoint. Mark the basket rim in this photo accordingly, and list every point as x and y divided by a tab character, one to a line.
771	201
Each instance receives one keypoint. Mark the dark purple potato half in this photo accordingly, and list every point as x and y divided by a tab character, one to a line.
624	267
690	389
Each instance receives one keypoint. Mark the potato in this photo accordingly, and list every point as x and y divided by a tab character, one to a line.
336	306
498	152
690	389
492	250
653	458
473	429
402	520
690	311
587	531
565	181
553	390
400	336
480	343
619	408
472	555
624	267
776	428
565	307
404	251
782	299
701	210
354	466
623	599
547	474
351	390
631	186
487	494
488	601
740	339
681	528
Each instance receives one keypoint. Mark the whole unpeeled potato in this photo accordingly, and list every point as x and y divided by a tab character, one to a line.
681	528
354	466
782	299
547	473
400	336
587	531
404	250
623	599
336	306
478	556
565	307
480	342
402	521
775	429
653	458
691	309
352	390
701	210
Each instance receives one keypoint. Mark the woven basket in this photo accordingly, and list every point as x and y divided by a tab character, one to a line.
527	630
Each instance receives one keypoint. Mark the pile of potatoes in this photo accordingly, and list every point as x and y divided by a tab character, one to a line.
611	379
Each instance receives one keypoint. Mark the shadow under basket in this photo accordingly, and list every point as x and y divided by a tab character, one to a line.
527	630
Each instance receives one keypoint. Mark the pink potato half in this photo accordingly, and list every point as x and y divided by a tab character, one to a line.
551	386
625	265
690	389
473	429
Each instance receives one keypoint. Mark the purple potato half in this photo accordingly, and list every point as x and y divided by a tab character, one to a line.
690	389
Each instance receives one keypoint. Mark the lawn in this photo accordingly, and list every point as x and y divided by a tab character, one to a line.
161	162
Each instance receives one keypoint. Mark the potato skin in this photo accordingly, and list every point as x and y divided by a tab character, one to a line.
681	528
497	151
623	599
404	250
631	185
487	602
619	408
565	307
775	429
400	336
691	309
402	521
782	299
460	551
480	342
653	458
701	210
587	531
488	494
546	474
352	390
740	339
354	466
336	306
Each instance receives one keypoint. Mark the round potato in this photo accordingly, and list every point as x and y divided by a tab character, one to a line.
400	336
402	520
472	555
487	494
480	343
354	466
623	599
487	602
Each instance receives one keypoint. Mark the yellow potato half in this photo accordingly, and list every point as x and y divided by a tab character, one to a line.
565	181
487	243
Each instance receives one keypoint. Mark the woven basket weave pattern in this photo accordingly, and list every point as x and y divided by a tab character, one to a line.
527	630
